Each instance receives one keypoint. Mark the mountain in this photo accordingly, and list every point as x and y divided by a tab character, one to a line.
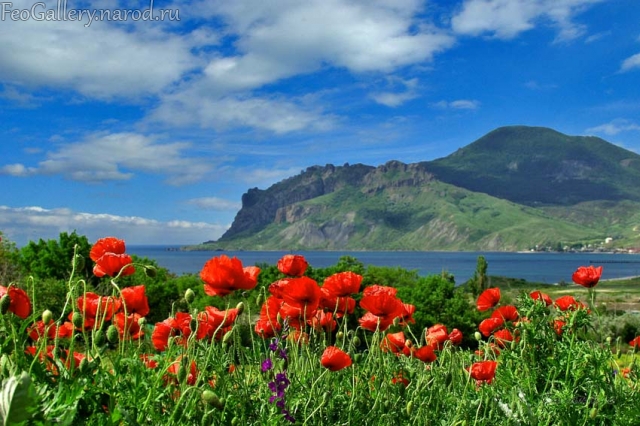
539	166
513	189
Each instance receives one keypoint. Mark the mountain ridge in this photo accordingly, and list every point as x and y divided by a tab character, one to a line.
512	189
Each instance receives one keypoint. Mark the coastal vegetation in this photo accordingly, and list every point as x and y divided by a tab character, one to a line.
132	343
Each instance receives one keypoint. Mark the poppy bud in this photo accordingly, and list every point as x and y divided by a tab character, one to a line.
240	308
356	341
112	334
212	399
235	421
409	408
259	299
183	371
142	321
227	336
593	413
150	271
77	320
5	302
193	325
189	296
608	340
47	316
339	335
396	321
78	262
98	338
477	335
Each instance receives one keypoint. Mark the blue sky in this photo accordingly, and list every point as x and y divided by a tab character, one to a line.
151	130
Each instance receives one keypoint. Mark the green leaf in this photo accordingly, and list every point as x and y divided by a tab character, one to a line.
18	401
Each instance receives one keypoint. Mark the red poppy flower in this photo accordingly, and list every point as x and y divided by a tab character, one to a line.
436	335
488	299
135	300
19	302
507	313
293	265
39	330
301	294
342	284
455	336
489	325
483	371
393	342
94	306
218	319
565	303
374	323
177	365
276	287
382	303
400	379
558	326
339	305
323	321
503	337
111	264
376	289
268	325
425	354
335	359
587	276
106	245
538	295
128	325
407	314
223	275
635	342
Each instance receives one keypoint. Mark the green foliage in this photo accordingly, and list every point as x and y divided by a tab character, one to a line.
9	261
53	258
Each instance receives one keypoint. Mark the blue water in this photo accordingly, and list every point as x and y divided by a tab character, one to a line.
541	267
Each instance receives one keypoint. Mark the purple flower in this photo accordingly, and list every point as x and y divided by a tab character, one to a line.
267	365
273	346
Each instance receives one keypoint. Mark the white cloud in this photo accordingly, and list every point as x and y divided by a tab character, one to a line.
194	107
614	127
115	156
288	38
458	104
394	99
215	203
103	60
506	19
21	224
632	62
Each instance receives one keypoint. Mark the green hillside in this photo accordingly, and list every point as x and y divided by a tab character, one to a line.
515	188
539	166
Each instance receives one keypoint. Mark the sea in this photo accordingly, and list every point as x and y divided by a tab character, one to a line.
545	267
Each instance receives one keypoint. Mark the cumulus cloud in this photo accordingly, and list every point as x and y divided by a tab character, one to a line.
397	98
631	63
458	104
22	224
506	19
215	204
287	38
115	156
614	127
194	107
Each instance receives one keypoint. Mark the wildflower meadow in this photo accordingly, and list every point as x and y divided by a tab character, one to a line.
303	352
